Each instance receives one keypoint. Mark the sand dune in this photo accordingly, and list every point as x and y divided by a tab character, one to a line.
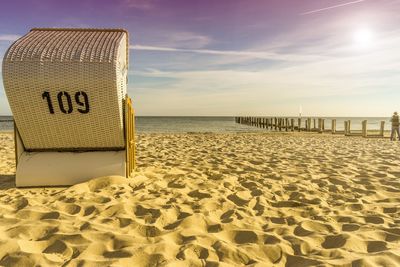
215	200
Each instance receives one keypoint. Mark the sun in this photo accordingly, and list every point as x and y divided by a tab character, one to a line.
363	37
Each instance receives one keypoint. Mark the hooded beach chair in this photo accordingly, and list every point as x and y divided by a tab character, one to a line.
67	92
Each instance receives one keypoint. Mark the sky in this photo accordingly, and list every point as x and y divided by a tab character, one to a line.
240	57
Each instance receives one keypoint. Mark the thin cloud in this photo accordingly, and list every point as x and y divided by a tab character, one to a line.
139	4
9	37
247	54
332	7
205	51
186	39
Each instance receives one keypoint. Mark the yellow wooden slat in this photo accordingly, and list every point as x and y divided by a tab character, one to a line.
126	137
15	145
130	136
133	140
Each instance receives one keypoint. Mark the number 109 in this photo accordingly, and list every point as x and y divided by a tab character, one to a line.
64	100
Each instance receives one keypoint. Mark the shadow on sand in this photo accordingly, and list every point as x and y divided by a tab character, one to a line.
7	181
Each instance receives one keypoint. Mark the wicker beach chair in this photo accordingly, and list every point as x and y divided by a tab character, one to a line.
67	92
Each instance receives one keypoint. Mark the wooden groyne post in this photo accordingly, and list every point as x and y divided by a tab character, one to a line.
321	125
333	126
288	124
382	130
364	128
347	125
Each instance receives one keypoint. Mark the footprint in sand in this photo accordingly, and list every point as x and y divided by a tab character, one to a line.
278	220
319	227
71	209
237	200
173	225
300	231
292	188
85	226
182	215
51	215
227	216
299	245
392	237
255	192
124	222
253	187
337	181
214	228
271	240
379	174
258	207
376	246
243	237
274	253
193	251
117	254
274	177
148	230
390	210
374	219
226	251
199	195
344	219
150	215
21	203
56	247
175	184
185	239
288	204
17	261
29	213
58	251
89	210
41	232
355	207
298	261
334	241
249	184
350	227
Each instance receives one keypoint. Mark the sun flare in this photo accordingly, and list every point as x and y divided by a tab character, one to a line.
363	37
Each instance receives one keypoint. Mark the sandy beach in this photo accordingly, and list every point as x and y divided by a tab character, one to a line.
258	199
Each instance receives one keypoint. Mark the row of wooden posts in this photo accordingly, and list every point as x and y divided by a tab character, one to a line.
310	125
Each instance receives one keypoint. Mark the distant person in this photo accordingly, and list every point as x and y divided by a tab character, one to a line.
395	127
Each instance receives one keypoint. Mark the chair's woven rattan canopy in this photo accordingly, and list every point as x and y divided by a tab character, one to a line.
66	88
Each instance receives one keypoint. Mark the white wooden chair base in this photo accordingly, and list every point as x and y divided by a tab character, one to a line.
56	169
66	168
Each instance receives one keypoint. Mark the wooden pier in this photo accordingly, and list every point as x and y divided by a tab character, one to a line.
310	125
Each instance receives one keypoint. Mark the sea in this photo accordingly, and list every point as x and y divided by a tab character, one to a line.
147	124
